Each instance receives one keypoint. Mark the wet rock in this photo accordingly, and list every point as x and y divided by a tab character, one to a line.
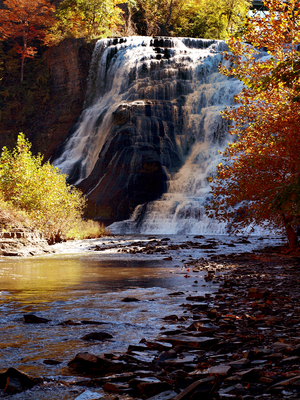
191	341
196	298
115	387
199	326
294	381
256	293
167	395
172	317
176	294
136	357
157	345
289	360
150	389
89	363
240	364
129	299
101	336
174	332
184	361
221	370
237	389
86	322
140	347
88	395
14	375
13	385
204	385
33	319
167	355
69	322
51	362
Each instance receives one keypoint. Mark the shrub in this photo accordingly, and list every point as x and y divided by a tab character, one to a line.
87	229
40	190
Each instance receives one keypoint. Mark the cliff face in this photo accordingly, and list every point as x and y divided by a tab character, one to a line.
46	104
68	64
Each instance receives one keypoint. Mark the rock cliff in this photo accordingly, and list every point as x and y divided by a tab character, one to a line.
68	63
148	101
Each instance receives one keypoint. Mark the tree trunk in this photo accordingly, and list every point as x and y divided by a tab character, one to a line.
22	68
291	234
164	28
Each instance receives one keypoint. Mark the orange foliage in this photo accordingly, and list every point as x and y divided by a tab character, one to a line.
24	21
258	182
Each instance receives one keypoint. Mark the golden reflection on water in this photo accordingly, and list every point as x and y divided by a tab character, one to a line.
41	277
46	279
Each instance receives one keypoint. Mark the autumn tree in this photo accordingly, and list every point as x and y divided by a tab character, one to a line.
258	182
24	22
40	190
194	18
87	19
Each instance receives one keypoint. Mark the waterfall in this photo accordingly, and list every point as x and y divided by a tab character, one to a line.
150	133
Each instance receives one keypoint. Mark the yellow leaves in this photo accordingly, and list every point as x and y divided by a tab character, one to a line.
265	157
38	189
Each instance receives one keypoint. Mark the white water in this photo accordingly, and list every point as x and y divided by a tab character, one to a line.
181	209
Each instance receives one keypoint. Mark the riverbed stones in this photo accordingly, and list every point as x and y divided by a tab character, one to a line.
167	395
89	363
15	381
239	347
13	385
190	341
34	319
101	336
130	300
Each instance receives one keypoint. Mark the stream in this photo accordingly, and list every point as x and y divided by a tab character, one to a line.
79	284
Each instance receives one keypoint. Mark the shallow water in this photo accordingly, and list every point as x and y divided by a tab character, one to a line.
79	284
81	287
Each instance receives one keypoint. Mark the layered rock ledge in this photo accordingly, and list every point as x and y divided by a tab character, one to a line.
22	242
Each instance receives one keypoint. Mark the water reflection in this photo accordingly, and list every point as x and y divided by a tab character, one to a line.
46	278
81	287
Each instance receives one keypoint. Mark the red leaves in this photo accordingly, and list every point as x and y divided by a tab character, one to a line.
25	21
260	171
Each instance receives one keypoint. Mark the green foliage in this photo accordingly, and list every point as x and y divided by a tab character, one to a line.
193	18
91	19
40	190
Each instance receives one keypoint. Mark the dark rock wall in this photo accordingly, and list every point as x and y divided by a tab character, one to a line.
135	162
68	63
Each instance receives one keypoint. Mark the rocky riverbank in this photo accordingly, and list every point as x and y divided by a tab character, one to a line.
22	242
17	239
241	342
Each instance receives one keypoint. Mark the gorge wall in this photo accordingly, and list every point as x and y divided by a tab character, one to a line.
49	100
152	110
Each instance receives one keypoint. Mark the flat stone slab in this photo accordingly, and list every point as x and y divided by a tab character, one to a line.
191	341
186	392
221	370
168	395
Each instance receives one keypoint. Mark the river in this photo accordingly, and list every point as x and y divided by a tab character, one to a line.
79	284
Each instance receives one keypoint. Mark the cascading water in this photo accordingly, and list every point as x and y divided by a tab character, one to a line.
150	133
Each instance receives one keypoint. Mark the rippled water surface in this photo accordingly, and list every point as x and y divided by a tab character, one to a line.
88	285
80	287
